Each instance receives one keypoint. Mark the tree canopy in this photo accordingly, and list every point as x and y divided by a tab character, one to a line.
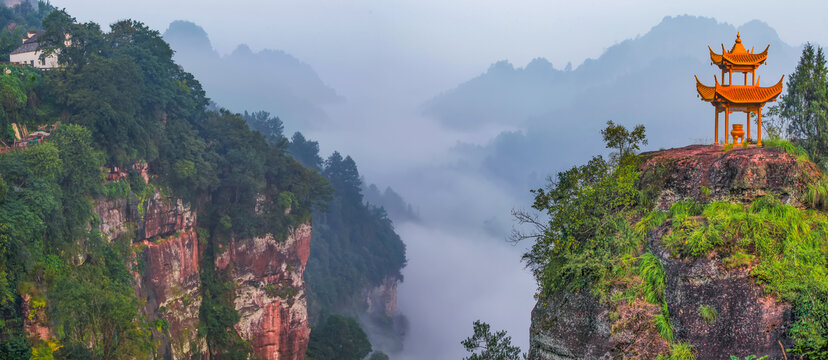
803	109
485	345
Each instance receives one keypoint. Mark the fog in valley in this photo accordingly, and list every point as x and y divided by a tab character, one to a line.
462	108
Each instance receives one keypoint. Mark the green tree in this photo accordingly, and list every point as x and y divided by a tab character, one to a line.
803	109
338	338
626	143
379	355
305	151
271	127
485	345
80	177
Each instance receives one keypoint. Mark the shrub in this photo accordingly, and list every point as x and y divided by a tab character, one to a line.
652	275
680	351
708	313
663	325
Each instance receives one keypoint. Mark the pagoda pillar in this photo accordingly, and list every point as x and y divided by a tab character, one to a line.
759	127
730	77
753	74
716	139
727	124
747	134
745	78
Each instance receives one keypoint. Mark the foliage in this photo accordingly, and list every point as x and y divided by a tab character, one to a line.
271	127
708	313
626	143
788	245
485	345
17	20
378	355
121	100
749	357
652	275
663	324
338	338
787	146
353	247
45	350
817	195
588	229
679	351
803	110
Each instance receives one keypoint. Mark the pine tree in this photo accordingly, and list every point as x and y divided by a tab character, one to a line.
497	346
803	108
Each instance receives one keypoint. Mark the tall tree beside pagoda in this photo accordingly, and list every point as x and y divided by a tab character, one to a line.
803	110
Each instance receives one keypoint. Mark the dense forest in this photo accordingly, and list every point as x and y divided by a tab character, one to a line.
121	100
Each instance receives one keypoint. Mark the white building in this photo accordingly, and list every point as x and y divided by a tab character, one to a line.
29	53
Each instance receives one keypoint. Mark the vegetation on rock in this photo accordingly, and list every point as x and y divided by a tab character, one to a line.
602	215
121	100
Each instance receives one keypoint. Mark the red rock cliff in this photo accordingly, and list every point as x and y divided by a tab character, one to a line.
166	266
270	292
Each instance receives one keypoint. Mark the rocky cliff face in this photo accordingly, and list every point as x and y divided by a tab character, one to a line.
568	325
383	323
270	291
166	262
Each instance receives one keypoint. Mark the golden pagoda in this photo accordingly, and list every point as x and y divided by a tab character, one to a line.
746	98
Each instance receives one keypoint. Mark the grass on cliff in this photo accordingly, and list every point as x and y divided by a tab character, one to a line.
784	246
788	147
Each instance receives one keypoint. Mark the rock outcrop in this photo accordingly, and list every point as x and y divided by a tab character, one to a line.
384	324
382	299
741	174
568	325
748	322
270	292
166	266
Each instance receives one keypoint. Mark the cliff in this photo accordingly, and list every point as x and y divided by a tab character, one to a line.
724	220
268	274
270	292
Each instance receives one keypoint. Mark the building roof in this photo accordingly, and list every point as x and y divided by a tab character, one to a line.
30	44
738	55
739	94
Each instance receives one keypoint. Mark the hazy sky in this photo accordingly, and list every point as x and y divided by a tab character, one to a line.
441	42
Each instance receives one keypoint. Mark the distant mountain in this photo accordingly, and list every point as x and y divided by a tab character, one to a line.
647	80
269	80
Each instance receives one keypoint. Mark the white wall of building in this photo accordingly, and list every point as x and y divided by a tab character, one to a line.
33	58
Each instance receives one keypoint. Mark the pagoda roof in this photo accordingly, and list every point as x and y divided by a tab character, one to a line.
739	94
738	55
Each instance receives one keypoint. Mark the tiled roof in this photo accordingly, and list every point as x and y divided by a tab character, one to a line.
738	55
746	94
739	94
31	44
27	47
706	92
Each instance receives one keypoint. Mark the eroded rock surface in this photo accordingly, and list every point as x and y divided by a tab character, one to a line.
270	292
738	174
162	231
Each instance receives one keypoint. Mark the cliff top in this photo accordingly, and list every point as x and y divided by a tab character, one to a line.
710	172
